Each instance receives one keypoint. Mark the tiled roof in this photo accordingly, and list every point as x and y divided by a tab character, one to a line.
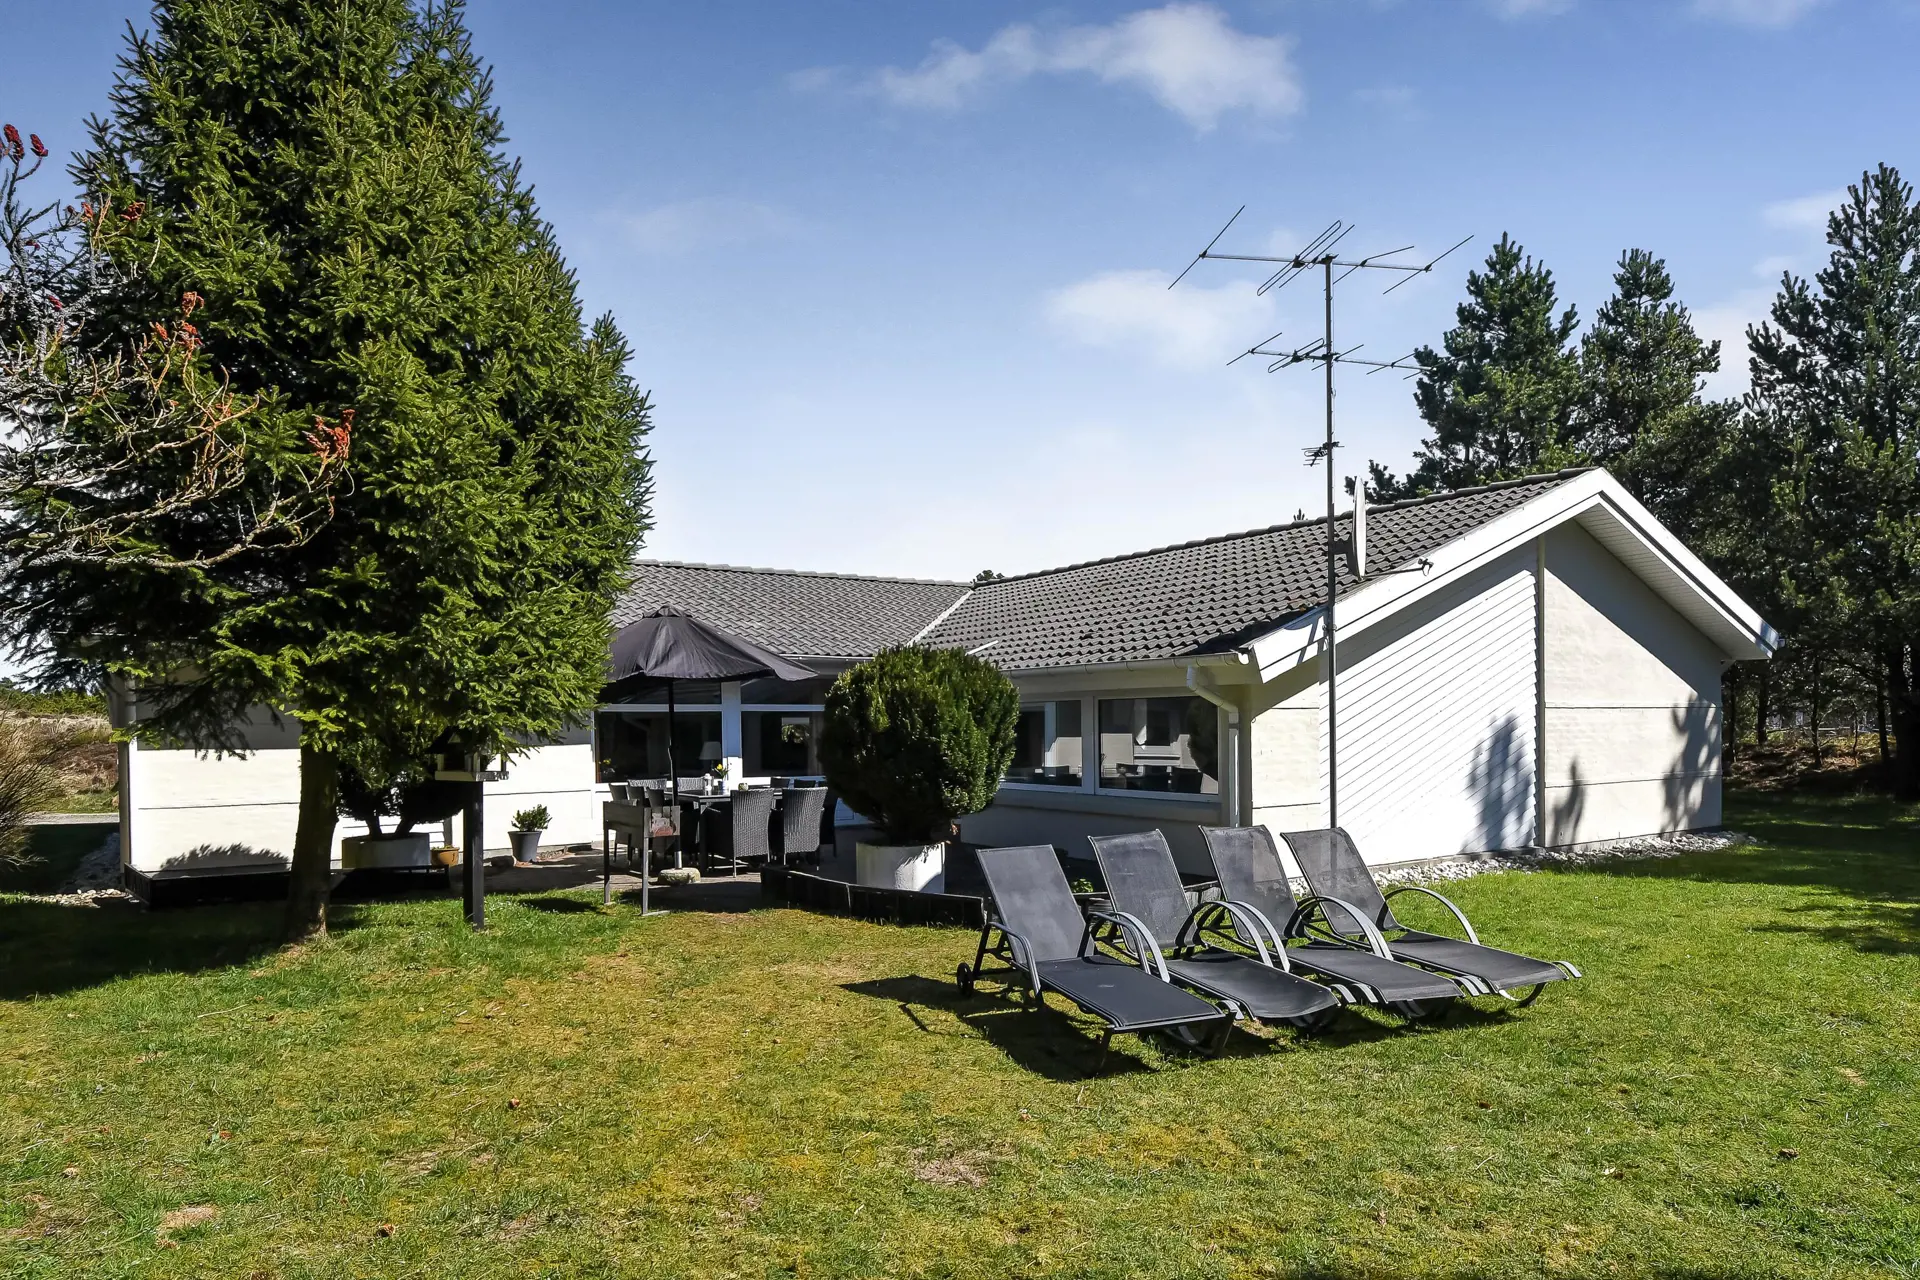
797	615
1207	596
1172	602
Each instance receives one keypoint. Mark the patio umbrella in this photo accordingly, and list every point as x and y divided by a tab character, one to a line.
671	644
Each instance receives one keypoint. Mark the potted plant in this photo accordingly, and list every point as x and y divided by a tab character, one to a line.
411	797
528	826
915	738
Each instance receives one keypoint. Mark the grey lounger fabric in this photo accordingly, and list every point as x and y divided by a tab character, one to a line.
1143	881
1247	863
1334	867
1043	935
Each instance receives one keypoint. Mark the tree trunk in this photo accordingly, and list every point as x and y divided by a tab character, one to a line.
1904	712
312	873
1813	711
1880	716
1761	709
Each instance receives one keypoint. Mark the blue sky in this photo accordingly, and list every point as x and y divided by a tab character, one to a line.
895	272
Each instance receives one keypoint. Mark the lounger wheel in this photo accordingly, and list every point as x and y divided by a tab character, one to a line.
1185	1038
1416	1010
963	978
1531	994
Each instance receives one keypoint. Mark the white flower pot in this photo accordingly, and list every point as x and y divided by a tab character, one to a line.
921	868
366	853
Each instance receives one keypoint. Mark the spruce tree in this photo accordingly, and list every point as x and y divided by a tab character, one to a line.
328	175
1640	413
1836	397
1500	393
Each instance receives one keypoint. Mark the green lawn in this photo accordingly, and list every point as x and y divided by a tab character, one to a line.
1732	1092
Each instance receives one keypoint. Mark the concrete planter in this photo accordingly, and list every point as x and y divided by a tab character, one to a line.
368	853
526	844
920	868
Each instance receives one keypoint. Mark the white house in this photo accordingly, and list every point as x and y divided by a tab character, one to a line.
1531	662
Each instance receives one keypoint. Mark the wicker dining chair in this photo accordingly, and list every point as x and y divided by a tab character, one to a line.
800	810
744	830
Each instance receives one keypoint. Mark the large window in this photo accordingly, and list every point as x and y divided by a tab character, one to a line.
1160	744
1047	750
633	744
781	742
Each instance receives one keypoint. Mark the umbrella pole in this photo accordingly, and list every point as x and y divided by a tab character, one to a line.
673	777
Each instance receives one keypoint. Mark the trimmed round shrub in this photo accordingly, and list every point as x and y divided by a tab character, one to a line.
917	737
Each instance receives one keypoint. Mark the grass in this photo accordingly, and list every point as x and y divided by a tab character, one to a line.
1731	1093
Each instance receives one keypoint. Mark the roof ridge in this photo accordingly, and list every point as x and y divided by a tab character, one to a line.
1402	504
799	573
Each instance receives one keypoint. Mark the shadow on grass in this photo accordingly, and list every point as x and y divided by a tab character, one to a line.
1863	852
1048	1042
49	949
718	897
1040	1039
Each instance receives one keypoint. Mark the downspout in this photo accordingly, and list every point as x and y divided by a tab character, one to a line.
1230	765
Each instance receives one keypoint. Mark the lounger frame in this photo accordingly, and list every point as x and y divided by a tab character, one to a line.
998	942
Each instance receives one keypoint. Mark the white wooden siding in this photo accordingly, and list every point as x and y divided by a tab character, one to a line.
1437	721
1437	726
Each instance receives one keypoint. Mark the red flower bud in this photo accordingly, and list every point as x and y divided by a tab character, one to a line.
13	136
39	147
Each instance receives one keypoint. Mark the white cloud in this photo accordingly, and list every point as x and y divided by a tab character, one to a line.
703	223
1726	322
1188	327
1187	56
1803	221
1528	8
1804	213
1756	13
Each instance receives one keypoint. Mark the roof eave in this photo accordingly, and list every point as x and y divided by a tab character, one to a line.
1693	589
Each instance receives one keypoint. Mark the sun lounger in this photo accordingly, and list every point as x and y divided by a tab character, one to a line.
1247	863
1335	869
1036	929
1143	884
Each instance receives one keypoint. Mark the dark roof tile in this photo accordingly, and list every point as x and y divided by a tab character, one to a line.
1206	596
1196	598
797	615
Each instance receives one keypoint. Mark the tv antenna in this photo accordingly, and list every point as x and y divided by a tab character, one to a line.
1323	252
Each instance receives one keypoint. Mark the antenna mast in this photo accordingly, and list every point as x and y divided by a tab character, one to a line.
1321	252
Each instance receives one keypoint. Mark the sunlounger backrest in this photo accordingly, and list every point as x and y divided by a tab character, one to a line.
1247	863
1335	869
1031	897
1143	881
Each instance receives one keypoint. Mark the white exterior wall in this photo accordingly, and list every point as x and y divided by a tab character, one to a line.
1553	674
1437	726
1633	702
184	809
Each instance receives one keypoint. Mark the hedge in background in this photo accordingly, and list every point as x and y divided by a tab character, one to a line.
916	738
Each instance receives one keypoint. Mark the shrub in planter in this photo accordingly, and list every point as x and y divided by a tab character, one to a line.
915	738
528	826
411	796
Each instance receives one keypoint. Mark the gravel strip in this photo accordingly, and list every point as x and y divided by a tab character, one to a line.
1585	855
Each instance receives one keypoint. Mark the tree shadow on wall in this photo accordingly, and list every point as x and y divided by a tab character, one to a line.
1501	782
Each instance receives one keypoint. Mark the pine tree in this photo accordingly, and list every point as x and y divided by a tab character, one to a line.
1500	394
328	176
1640	412
1836	388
